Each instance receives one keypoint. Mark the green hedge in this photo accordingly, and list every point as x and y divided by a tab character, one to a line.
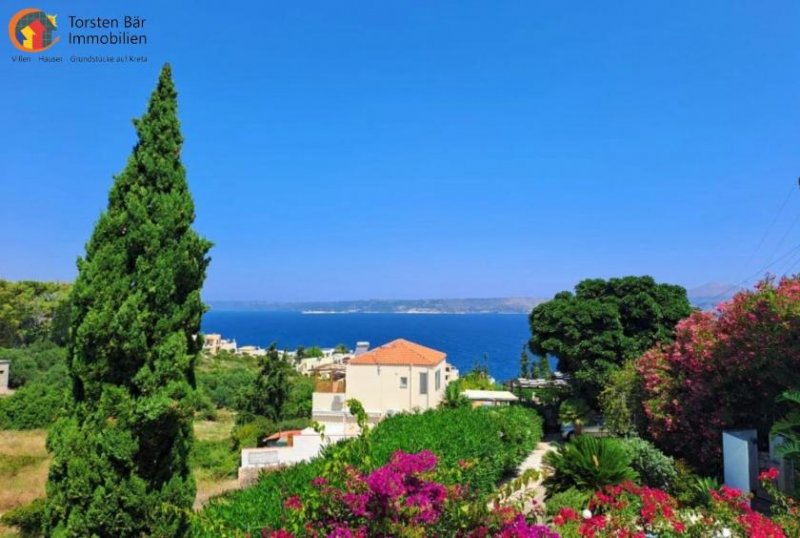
496	439
35	405
499	438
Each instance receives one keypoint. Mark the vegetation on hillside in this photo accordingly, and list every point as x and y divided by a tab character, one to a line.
33	311
39	375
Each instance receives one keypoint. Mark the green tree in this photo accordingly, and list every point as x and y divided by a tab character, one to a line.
28	309
313	352
604	323
524	363
542	368
453	396
120	464
272	388
477	379
621	401
341	348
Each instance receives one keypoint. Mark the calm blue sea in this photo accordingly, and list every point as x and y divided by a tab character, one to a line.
466	338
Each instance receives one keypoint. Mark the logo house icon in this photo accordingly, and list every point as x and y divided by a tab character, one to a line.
31	30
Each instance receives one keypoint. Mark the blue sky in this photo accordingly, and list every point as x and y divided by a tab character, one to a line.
346	150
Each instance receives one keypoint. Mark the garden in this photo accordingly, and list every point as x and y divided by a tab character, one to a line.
475	450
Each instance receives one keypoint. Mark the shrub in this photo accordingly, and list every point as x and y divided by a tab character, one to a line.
789	427
226	386
298	404
215	458
630	510
621	401
249	433
723	370
490	442
40	361
655	469
498	438
257	506
453	396
202	405
588	464
690	488
35	405
572	498
405	498
28	519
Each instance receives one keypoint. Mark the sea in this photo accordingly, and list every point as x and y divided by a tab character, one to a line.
491	340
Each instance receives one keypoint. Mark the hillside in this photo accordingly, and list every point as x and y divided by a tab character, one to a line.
501	305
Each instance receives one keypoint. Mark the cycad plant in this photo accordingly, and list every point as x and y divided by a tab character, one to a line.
588	464
789	426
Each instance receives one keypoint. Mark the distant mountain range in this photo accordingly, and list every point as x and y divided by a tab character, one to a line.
501	305
704	297
708	296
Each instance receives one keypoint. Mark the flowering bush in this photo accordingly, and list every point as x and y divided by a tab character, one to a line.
785	510
631	511
723	370
405	498
495	439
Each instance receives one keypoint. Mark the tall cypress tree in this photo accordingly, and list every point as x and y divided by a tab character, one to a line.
121	453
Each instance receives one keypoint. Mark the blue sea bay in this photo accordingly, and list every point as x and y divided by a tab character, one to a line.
468	339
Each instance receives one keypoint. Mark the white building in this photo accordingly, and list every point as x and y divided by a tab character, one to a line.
400	376
489	397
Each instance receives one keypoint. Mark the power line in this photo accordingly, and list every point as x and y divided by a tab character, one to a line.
771	225
793	250
785	235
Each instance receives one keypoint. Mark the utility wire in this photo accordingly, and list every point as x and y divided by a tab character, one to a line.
785	235
761	242
771	225
792	251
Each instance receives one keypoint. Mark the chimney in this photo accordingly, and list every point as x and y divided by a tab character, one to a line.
361	348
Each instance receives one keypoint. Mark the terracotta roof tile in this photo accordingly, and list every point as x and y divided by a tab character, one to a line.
401	352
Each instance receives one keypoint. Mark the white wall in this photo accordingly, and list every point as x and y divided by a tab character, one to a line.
379	388
306	445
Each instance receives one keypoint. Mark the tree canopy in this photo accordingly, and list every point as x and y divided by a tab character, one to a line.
603	323
32	311
120	464
270	392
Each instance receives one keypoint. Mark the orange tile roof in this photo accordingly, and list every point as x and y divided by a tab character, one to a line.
284	433
401	352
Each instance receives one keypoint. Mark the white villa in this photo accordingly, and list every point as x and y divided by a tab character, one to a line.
309	365
214	343
396	377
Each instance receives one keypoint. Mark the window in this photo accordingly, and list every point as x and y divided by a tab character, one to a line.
438	379
403	382
423	383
